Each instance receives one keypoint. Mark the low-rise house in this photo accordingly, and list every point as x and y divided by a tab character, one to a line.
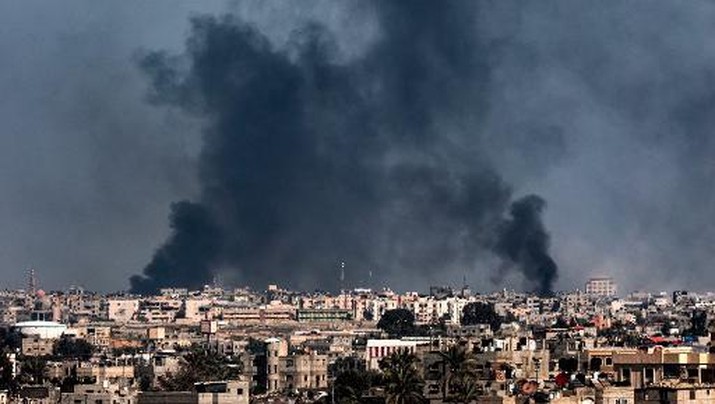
218	392
103	393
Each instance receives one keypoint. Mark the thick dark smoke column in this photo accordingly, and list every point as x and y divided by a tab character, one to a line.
308	160
189	254
524	244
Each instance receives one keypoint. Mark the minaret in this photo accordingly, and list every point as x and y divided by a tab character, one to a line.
31	282
342	275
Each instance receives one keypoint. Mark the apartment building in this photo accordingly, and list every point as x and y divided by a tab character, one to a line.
647	367
122	310
35	346
602	287
303	371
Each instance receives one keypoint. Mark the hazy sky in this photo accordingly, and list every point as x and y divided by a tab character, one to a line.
608	107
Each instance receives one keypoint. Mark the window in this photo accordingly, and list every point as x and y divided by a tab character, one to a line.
239	391
692	394
649	375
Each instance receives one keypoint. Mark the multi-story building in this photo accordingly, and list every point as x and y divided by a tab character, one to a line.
303	371
35	346
219	392
276	348
674	394
377	349
323	315
601	286
98	393
122	310
643	368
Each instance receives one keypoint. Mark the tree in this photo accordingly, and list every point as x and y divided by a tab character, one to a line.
699	323
145	376
32	370
481	313
73	348
199	365
459	366
351	386
7	381
467	390
397	322
403	383
10	339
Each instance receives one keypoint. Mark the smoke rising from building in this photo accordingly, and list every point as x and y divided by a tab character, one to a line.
310	159
524	244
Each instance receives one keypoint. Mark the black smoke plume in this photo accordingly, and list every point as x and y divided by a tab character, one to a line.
310	159
524	244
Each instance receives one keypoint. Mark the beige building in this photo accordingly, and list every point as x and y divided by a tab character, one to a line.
105	372
306	371
379	348
36	346
156	333
219	392
655	366
195	309
275	349
98	393
609	394
690	394
603	286
99	336
122	310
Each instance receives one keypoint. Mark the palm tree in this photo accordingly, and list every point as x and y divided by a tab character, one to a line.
458	364
467	390
403	383
350	386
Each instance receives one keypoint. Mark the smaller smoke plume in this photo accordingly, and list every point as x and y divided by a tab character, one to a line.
189	256
523	244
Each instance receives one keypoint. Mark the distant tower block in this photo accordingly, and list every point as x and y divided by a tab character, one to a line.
31	282
601	286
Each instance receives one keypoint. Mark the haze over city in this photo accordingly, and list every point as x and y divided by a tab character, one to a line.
515	145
